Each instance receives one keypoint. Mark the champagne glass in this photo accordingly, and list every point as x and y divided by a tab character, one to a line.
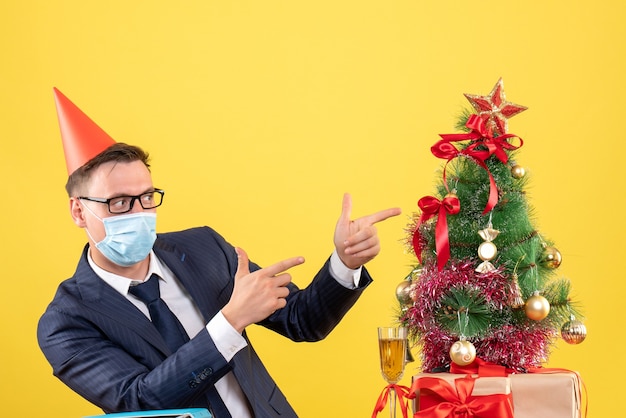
392	348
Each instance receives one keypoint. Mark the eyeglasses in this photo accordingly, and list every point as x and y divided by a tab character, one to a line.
123	204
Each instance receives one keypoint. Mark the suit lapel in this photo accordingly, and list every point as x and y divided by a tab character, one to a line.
197	283
97	295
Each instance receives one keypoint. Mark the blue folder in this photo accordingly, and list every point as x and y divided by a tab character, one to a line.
162	413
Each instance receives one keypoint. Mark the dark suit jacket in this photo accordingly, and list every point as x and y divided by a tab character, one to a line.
105	349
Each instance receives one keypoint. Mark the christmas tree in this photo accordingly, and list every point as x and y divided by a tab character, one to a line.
484	283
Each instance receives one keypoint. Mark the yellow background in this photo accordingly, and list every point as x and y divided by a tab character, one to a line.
260	114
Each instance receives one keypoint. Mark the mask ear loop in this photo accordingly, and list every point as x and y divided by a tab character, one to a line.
89	209
96	216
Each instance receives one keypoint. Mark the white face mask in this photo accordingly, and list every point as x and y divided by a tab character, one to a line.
129	238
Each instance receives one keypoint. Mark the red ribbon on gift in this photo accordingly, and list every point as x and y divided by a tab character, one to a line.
483	146
481	368
458	401
401	391
484	368
431	206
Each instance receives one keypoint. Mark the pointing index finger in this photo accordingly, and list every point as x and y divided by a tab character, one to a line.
382	215
283	265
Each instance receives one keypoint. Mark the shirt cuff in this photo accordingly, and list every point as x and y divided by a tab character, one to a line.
345	276
226	338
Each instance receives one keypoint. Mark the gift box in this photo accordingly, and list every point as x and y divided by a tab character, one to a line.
546	394
446	394
550	393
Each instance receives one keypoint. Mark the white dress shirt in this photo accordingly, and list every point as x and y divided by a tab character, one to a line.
227	340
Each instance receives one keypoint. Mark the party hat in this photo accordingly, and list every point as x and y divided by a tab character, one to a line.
82	138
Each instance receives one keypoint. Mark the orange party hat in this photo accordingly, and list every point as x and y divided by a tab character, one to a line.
82	138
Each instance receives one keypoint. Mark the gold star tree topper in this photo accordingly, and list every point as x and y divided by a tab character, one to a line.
494	109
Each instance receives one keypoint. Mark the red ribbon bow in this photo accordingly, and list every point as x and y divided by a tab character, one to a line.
431	206
484	138
458	401
401	391
483	146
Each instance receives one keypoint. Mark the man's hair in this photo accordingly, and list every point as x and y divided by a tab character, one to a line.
118	152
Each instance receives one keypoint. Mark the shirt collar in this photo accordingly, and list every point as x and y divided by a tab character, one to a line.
121	283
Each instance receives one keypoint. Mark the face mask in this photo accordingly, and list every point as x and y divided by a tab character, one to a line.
129	238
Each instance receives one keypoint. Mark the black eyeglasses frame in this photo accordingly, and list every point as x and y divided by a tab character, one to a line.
108	201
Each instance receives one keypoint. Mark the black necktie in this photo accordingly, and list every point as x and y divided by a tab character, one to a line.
172	330
163	319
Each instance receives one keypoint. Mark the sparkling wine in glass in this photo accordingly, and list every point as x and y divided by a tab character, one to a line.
392	348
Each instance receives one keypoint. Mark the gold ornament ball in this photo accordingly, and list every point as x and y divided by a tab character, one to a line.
403	292
517	171
415	274
452	194
551	257
573	332
537	307
463	353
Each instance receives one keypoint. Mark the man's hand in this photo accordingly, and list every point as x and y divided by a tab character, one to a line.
357	241
259	294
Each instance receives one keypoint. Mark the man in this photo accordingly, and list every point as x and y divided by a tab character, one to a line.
97	332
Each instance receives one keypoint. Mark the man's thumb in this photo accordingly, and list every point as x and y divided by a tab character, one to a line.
346	208
243	264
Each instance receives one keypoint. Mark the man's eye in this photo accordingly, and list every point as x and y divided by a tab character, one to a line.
119	202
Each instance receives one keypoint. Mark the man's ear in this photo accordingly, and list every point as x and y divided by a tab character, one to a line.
77	212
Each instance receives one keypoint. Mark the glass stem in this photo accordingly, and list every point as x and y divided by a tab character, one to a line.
392	404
